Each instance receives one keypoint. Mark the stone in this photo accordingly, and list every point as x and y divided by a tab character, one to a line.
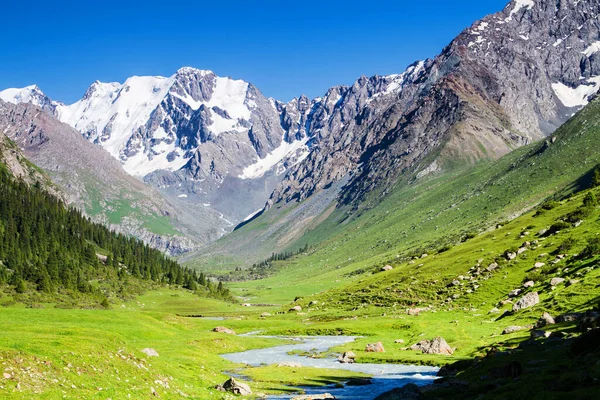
6	375
545	319
246	305
314	303
236	387
537	333
347	357
399	341
455	282
414	311
222	329
521	250
295	308
529	300
556	281
438	346
406	392
515	293
375	348
539	264
529	284
512	329
150	352
494	310
492	267
511	256
572	282
289	364
387	268
265	314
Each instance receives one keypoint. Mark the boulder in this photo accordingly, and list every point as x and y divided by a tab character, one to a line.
414	311
512	329
375	348
538	264
347	357
246	305
406	392
295	308
150	352
511	256
438	346
387	268
314	303
399	341
529	284
515	293
545	319
556	281
492	267
236	387
222	329
521	250
529	300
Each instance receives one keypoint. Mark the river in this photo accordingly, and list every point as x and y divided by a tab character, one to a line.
385	377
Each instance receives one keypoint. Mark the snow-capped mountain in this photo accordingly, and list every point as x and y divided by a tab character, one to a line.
215	142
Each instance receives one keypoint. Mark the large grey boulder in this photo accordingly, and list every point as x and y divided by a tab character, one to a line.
529	300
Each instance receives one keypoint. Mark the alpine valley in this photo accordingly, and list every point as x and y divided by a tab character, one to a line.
431	234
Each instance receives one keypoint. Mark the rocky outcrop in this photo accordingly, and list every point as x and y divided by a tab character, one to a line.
347	357
529	300
234	386
222	329
436	346
375	348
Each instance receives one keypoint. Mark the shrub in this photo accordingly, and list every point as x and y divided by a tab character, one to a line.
590	200
558	226
567	245
591	250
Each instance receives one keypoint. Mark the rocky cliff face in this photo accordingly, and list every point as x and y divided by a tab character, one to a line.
509	79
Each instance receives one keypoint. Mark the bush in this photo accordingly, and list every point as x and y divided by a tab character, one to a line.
591	250
590	200
566	245
558	226
549	205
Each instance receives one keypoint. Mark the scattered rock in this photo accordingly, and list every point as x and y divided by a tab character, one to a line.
435	346
515	293
375	348
406	392
455	282
494	311
295	308
414	311
511	256
265	314
529	284
492	267
572	282
234	386
521	250
6	375
150	352
569	317
347	357
539	264
537	333
399	341
387	268
222	329
246	305
290	364
545	319
556	281
512	329
529	300
314	303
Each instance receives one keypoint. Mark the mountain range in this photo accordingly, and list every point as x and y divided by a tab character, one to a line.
218	148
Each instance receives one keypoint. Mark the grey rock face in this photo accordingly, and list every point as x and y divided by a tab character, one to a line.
511	78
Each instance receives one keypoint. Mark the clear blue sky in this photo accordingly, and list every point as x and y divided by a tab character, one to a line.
285	48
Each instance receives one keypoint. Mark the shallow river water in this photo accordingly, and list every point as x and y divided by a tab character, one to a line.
385	376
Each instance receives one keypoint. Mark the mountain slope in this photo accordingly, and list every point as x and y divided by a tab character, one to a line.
91	179
421	213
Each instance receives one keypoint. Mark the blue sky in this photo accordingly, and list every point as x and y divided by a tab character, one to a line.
284	48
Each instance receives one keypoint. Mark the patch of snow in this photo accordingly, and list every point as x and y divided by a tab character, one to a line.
262	165
520	4
592	48
576	97
249	217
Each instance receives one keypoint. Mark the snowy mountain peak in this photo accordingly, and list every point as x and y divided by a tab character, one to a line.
191	70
